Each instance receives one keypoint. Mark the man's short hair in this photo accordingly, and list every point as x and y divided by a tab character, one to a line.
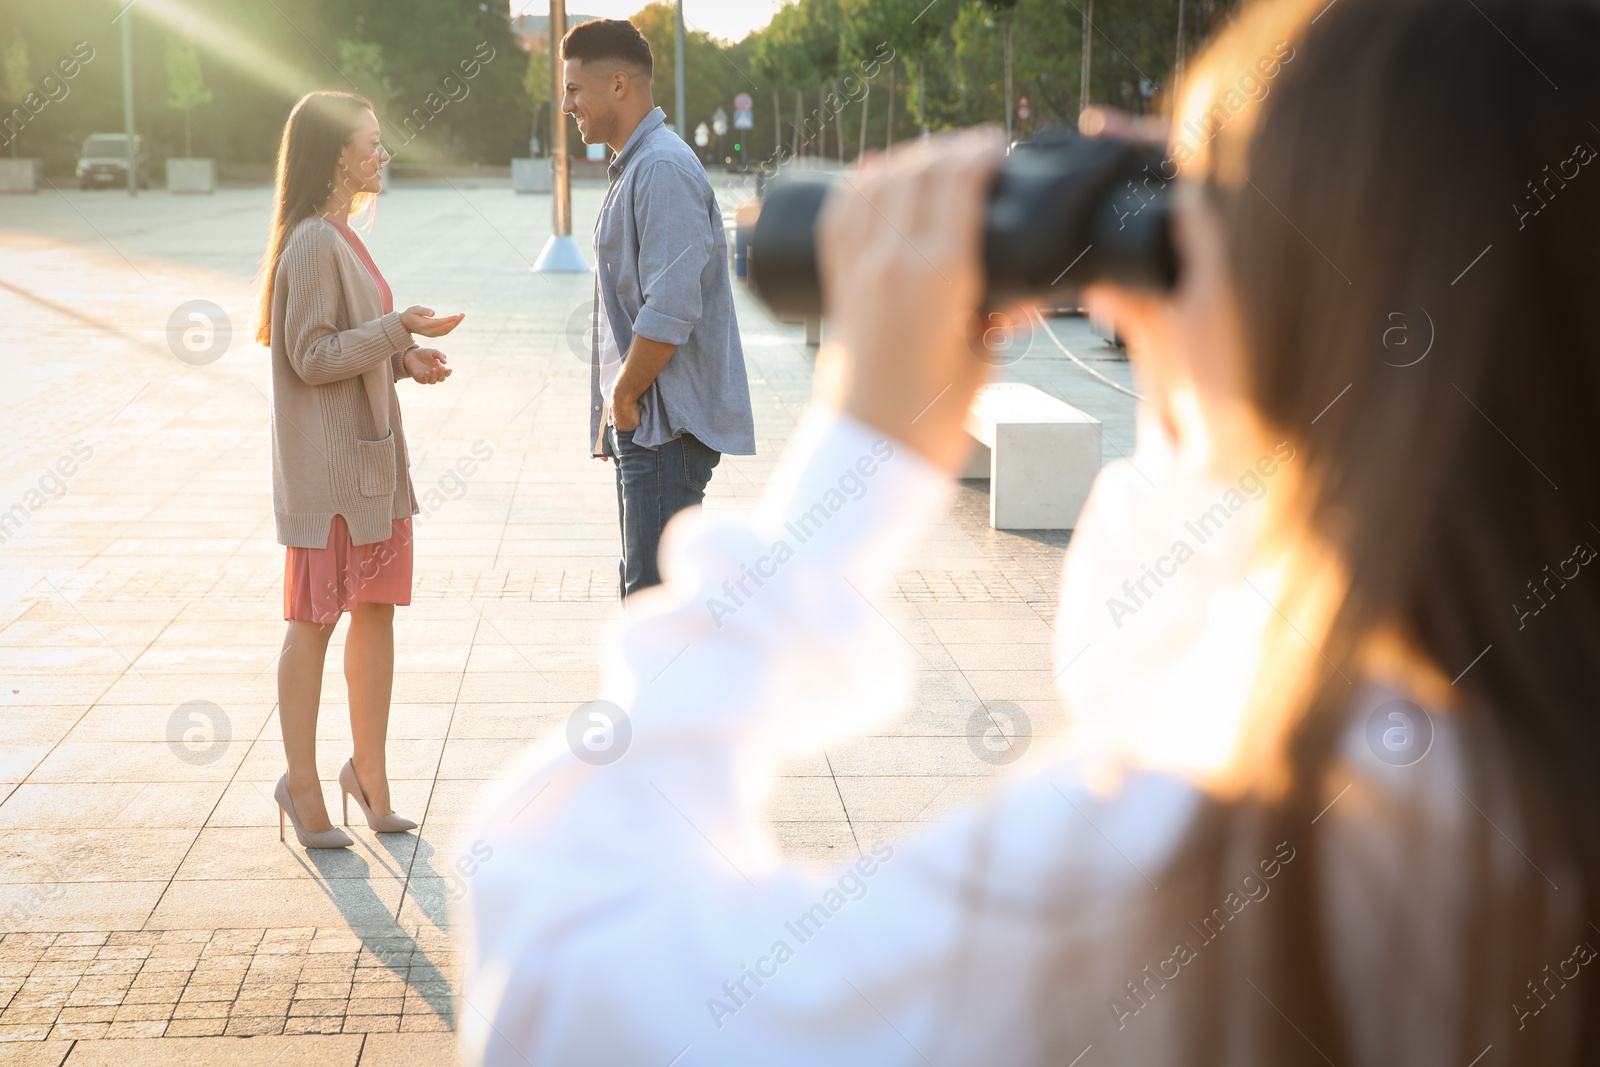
615	39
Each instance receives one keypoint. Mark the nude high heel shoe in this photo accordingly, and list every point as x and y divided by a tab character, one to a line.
351	786
330	838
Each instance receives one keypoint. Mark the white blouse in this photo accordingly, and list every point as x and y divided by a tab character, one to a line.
635	911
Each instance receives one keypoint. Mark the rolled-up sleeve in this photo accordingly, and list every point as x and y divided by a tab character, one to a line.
673	219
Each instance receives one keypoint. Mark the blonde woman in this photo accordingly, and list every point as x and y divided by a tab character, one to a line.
342	497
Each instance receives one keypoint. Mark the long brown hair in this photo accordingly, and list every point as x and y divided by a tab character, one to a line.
318	130
1423	164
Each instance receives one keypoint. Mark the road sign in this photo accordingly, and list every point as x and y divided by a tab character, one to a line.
742	102
719	122
744	120
1024	108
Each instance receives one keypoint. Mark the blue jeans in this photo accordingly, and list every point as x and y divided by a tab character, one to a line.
654	484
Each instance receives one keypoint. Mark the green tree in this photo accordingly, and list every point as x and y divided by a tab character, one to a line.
186	86
908	27
362	62
18	83
536	82
801	50
710	78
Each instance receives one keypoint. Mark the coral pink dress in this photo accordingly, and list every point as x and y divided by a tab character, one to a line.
321	583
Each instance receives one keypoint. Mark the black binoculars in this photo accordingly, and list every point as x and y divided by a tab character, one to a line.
1064	211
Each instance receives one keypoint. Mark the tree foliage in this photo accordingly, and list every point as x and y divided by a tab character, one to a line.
186	84
259	55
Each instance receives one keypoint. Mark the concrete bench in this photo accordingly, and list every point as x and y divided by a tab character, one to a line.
1039	454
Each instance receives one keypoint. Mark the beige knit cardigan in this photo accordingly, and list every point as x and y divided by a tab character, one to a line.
337	443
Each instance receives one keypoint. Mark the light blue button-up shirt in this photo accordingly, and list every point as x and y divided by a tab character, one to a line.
661	269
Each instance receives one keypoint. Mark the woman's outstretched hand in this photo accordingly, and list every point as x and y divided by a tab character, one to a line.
427	365
900	249
419	319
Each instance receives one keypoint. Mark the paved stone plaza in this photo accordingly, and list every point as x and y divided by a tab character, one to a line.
149	913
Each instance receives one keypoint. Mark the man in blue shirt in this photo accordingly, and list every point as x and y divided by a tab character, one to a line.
668	392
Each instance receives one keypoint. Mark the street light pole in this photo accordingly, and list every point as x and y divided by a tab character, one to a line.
560	254
1088	28
561	202
682	121
127	102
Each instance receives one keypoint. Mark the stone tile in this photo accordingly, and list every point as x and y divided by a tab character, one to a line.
327	1007
276	902
336	1051
130	1030
80	906
214	1027
427	1022
408	1048
20	1051
369	1024
829	842
908	756
241	853
130	761
92	855
254	1026
409	758
132	1013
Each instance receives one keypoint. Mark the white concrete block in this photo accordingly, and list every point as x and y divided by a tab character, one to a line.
191	176
1043	455
531	175
19	175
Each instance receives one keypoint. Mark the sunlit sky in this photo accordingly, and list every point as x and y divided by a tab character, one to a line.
728	19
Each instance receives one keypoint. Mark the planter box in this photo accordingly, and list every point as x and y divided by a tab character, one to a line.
19	175
531	175
191	176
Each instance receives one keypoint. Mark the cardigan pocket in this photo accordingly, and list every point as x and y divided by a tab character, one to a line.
377	466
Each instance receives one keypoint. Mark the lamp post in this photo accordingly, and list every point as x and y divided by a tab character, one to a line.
679	104
1088	27
560	254
127	103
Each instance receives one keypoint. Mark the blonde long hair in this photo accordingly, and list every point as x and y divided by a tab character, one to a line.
318	130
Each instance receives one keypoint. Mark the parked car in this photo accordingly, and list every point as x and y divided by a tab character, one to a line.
104	161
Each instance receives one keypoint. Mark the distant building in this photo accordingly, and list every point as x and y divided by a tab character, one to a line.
532	32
